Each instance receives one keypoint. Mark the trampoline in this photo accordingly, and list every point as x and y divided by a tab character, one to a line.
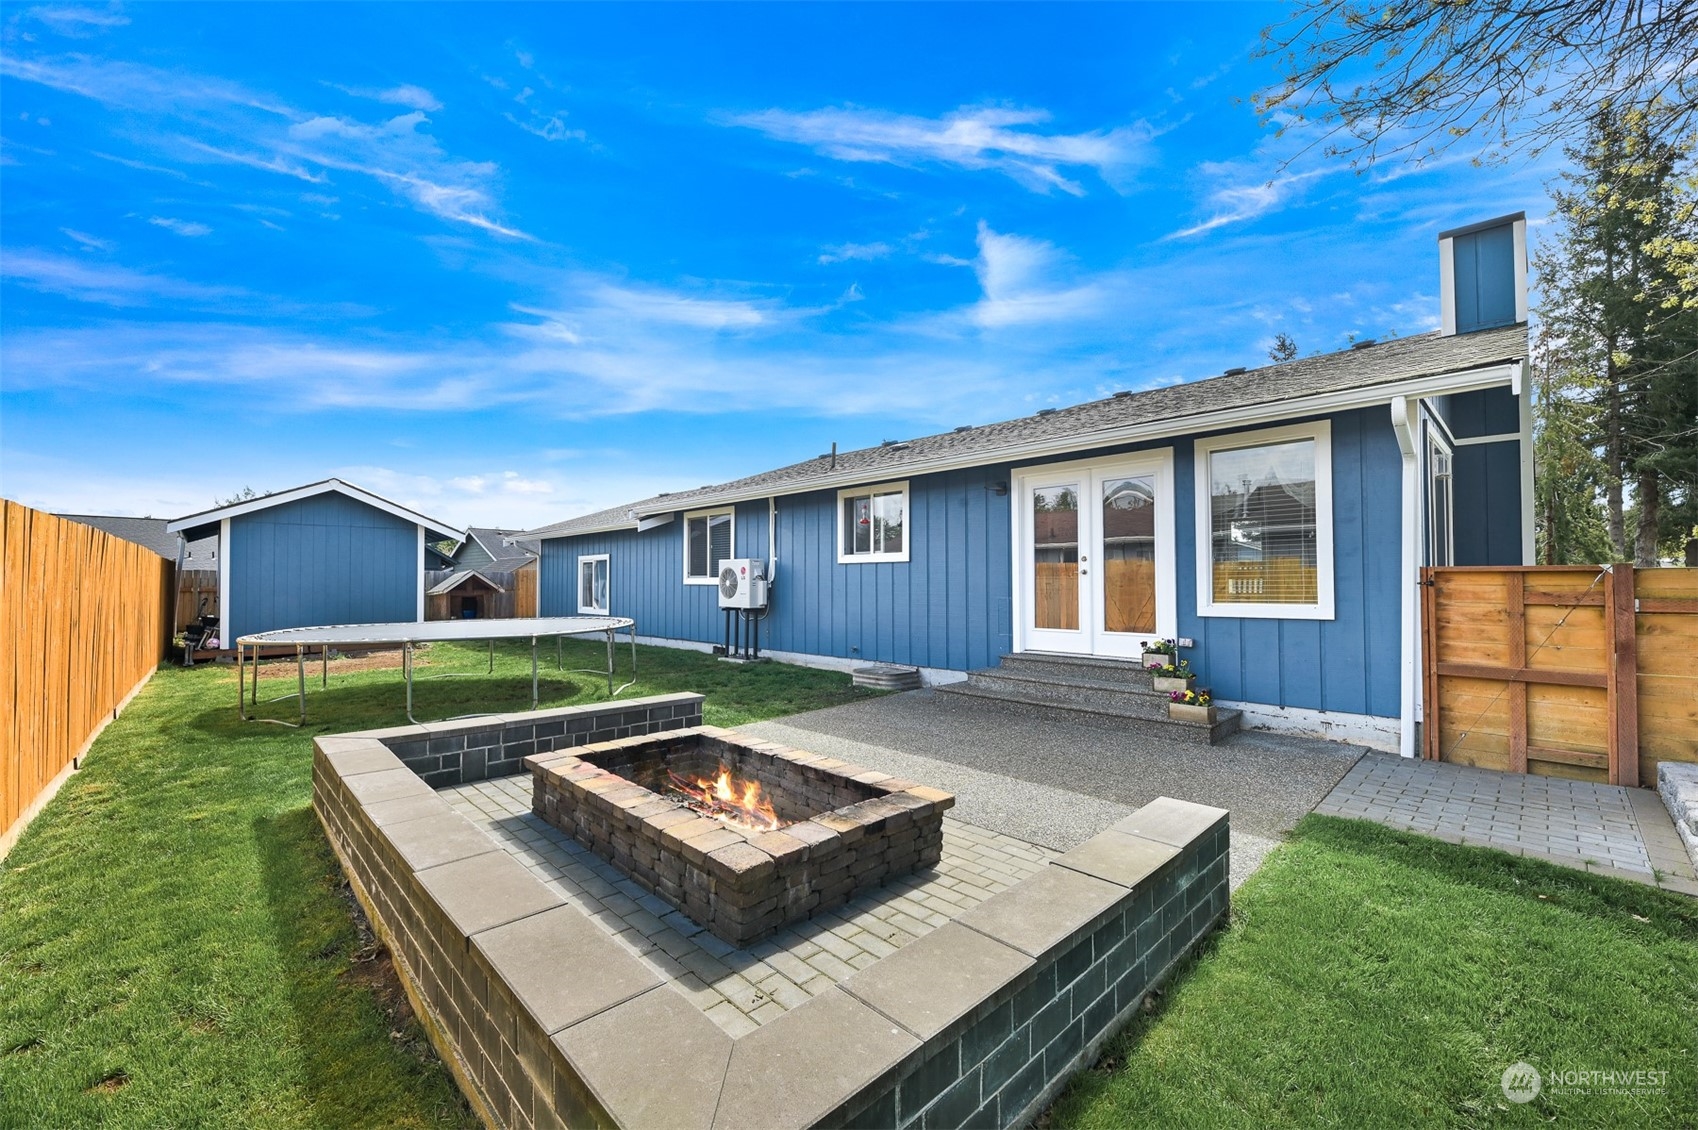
409	633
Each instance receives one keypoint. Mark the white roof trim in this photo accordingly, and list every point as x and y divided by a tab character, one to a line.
1464	380
266	502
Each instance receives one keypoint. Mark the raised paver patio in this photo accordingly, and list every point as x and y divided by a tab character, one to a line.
743	989
1603	828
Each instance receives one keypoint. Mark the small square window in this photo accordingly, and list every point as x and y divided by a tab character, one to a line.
874	523
709	538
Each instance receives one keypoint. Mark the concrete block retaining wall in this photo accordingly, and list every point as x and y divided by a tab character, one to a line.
546	1021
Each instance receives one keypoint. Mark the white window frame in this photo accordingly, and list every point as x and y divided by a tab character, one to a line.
590	559
1323	609
845	554
722	511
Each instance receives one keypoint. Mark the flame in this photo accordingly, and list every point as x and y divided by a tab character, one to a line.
725	798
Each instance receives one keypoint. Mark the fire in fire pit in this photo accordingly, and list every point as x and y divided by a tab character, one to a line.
736	801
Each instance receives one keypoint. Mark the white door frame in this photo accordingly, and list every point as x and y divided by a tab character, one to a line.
1089	473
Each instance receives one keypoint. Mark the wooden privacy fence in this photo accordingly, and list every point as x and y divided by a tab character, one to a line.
83	621
193	587
1569	671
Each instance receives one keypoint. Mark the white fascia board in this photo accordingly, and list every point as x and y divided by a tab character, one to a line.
266	502
1467	380
1447	287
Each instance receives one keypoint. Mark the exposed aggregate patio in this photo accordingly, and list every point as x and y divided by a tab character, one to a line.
742	989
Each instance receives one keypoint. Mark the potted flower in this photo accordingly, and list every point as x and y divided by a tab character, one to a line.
1175	675
1191	706
1159	653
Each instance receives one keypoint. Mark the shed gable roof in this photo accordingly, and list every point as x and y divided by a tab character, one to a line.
1174	410
194	524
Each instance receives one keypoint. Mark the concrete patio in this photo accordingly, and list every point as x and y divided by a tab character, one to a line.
1059	782
1607	829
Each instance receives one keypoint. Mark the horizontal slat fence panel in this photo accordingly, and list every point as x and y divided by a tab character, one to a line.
85	617
1574	671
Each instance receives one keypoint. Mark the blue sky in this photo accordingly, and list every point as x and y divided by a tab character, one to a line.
510	264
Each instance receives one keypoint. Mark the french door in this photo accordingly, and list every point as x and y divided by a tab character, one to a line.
1093	563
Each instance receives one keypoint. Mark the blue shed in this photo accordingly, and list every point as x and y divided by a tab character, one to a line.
1277	517
325	553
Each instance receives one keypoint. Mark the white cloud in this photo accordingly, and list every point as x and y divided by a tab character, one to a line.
845	251
89	242
105	284
413	97
550	128
1021	280
1242	201
77	22
181	227
981	137
234	125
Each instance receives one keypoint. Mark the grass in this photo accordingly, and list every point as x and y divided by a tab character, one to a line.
177	946
1376	979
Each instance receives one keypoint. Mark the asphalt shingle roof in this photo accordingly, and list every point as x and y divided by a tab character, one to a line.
507	558
150	532
1362	367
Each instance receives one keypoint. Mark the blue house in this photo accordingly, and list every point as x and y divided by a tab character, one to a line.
325	553
1276	516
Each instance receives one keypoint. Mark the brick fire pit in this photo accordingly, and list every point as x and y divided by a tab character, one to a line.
833	830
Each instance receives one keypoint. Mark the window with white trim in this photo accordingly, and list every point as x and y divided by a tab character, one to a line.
592	584
1441	545
710	536
872	523
1264	523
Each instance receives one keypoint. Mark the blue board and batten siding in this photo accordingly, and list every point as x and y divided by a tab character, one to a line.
326	559
1486	477
1483	264
950	605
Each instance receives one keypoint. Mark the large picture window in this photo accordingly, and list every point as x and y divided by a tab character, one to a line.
592	584
873	523
1264	517
709	538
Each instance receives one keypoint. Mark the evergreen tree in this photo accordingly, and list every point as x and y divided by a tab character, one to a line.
1617	311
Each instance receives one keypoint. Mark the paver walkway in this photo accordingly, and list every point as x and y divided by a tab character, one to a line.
742	989
1604	828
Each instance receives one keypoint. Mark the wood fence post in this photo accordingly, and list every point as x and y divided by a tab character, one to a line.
1515	603
1429	666
1622	684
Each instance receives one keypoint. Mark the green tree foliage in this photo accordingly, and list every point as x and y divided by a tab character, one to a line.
1569	473
1411	78
1620	333
1284	348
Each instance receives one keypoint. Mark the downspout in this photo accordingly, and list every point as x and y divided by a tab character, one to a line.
1404	425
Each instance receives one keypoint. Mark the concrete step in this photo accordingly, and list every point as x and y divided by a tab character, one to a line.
1133	696
1144	711
1063	667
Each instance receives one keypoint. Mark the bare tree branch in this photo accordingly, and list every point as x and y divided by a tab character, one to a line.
1412	78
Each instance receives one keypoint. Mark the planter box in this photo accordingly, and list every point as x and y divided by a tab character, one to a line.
1172	684
1156	658
1185	712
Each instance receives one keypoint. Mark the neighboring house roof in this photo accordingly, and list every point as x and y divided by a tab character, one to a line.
1348	378
206	521
459	579
503	558
151	533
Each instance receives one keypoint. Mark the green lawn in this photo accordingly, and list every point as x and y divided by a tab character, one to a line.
176	943
1375	979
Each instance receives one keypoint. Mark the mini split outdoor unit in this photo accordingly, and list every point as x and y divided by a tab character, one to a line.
742	583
